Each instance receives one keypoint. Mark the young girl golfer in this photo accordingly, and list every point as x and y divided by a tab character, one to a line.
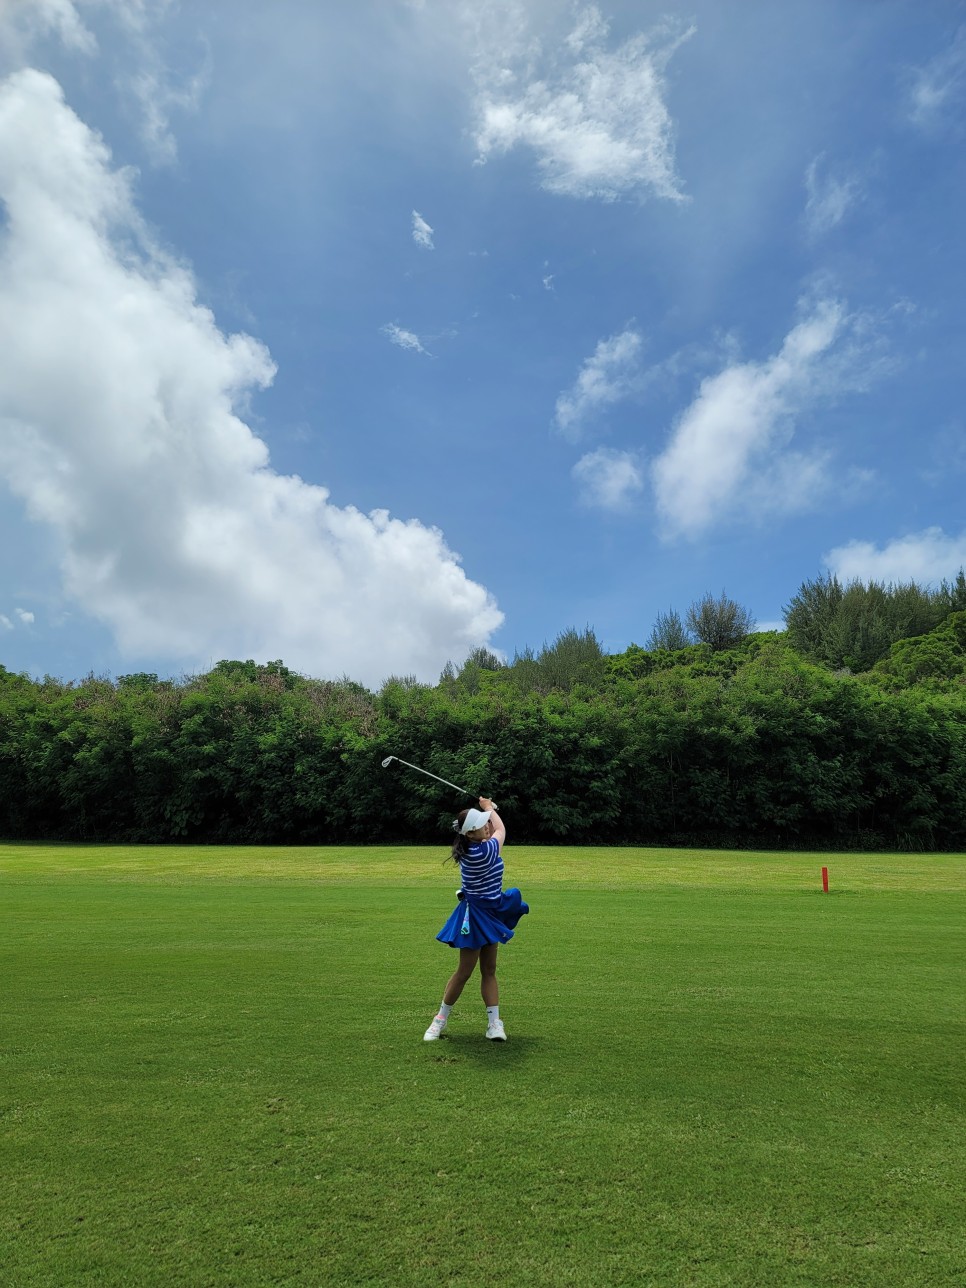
483	919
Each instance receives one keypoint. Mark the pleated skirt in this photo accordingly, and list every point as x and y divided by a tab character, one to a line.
474	923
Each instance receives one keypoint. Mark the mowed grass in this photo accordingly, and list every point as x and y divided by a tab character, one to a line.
213	1071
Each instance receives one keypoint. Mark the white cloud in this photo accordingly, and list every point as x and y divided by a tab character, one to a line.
591	30
26	617
828	197
5	622
159	97
120	427
24	21
608	479
596	119
729	449
927	557
144	77
548	282
936	90
605	378
422	233
150	82
405	339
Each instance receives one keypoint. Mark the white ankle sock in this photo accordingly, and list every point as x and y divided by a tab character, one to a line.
492	1013
444	1010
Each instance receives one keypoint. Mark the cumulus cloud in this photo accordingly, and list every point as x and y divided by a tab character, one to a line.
828	197
730	448
927	556
422	233
405	339
121	406
936	90
26	617
5	622
606	377
608	479
594	117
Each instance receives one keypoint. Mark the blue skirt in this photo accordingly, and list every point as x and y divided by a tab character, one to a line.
474	923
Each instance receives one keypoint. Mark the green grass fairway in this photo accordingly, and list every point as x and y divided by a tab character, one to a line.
213	1071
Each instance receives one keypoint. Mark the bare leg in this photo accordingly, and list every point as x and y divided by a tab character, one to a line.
468	960
488	985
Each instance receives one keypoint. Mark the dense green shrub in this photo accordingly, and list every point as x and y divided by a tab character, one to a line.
752	745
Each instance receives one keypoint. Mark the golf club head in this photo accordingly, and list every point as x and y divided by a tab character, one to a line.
388	761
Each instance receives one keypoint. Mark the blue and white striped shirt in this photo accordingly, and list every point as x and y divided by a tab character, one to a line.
481	869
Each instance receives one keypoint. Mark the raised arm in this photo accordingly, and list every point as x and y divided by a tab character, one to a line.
497	829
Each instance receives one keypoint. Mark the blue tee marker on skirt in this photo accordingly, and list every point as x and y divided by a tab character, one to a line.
474	923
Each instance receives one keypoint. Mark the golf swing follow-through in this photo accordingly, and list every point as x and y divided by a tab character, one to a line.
485	915
389	759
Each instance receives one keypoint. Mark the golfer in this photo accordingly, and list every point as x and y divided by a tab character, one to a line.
483	918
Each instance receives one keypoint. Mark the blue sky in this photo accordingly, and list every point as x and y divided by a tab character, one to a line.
362	335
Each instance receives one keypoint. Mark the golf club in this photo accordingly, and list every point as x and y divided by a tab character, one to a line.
389	759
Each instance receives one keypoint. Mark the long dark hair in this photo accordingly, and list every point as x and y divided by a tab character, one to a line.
461	845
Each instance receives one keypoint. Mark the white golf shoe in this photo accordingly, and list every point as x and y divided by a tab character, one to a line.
435	1029
495	1031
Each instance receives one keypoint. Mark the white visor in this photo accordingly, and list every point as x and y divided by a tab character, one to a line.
475	819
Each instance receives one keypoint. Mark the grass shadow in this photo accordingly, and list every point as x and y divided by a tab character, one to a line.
457	1048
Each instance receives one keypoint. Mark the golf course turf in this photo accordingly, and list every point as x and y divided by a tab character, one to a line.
212	1071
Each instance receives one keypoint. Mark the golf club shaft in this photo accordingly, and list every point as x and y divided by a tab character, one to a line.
436	776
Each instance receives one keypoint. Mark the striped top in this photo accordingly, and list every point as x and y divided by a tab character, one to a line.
481	869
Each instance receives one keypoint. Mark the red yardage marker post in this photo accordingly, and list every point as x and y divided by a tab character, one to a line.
825	879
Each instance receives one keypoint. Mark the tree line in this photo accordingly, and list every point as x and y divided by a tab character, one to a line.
768	739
